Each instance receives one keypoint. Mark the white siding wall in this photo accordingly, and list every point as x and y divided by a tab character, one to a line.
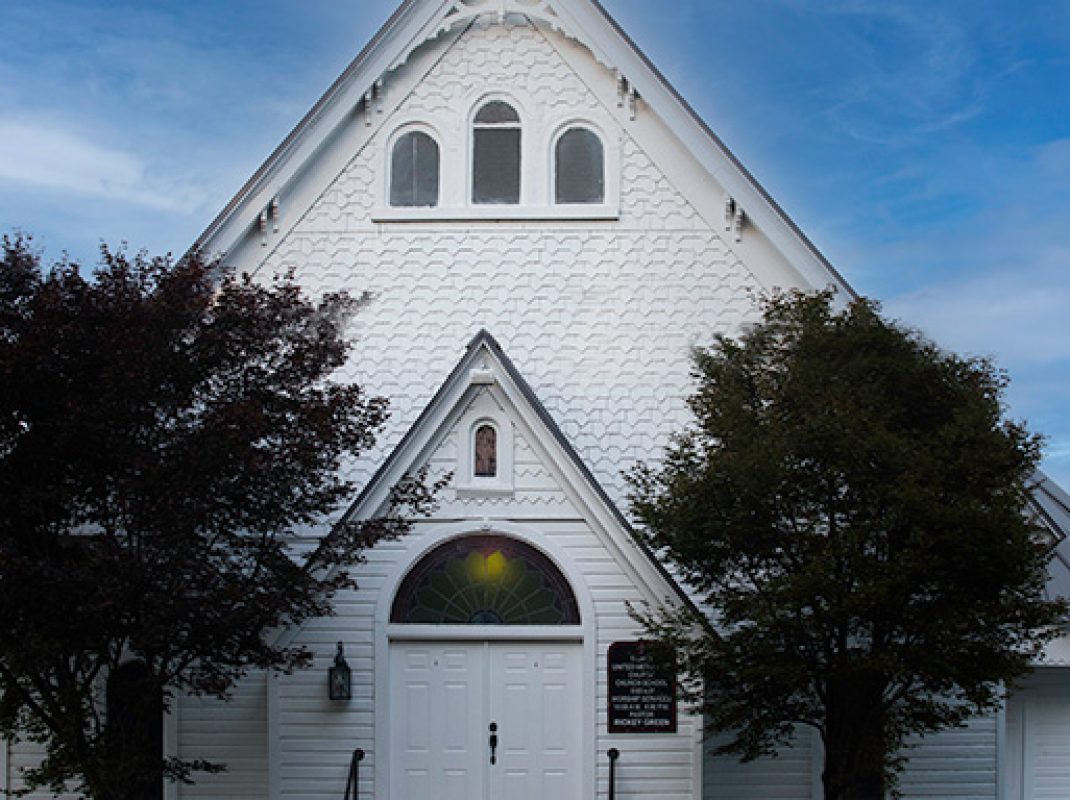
1037	756
26	755
950	765
956	763
789	776
4	787
598	316
232	732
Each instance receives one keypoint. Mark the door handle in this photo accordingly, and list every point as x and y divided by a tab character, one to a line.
493	743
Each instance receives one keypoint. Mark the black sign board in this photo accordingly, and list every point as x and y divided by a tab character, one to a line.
642	692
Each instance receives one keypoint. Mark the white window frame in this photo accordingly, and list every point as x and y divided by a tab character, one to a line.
538	142
467	483
523	126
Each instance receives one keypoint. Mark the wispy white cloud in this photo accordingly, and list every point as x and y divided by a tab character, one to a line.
924	83
1020	316
1054	158
54	156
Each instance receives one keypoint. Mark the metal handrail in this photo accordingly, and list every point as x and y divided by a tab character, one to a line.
613	754
353	782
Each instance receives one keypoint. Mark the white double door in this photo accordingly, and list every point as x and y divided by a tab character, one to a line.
486	721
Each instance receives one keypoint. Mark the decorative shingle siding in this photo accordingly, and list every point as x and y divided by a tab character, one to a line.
598	316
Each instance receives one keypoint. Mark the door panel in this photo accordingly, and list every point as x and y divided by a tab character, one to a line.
535	697
437	706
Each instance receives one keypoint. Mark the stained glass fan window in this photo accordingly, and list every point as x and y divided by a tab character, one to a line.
485	580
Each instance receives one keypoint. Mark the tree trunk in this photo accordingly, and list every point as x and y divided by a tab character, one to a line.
855	739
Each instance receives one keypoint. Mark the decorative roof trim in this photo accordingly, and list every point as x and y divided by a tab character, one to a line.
460	13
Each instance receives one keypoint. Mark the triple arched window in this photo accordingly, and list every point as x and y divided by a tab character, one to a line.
497	173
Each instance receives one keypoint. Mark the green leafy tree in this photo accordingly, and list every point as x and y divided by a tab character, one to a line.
849	504
164	428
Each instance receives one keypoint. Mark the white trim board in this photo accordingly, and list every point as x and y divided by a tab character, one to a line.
5	786
172	790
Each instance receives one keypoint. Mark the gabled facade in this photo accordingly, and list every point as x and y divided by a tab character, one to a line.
544	229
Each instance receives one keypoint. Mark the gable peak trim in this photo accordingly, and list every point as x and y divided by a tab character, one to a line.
459	13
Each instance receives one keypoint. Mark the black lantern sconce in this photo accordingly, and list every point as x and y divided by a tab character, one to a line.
339	678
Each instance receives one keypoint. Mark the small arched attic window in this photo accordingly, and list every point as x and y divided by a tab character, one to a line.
496	155
579	167
485	452
484	449
414	169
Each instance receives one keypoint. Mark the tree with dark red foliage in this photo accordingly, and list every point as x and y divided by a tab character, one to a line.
164	428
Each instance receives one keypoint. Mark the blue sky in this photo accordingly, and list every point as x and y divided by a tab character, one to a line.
923	146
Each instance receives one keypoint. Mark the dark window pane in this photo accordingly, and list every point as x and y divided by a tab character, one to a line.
496	113
496	171
580	176
486	452
414	171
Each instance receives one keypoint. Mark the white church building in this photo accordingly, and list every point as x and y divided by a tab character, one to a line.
545	229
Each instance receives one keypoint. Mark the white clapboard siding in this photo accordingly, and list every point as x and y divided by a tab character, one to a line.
1036	756
232	732
950	765
1049	743
22	755
788	776
953	764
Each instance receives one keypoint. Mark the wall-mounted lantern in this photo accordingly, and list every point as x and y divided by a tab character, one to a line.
339	678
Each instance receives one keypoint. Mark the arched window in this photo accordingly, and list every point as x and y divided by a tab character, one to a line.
496	155
485	455
579	167
135	727
485	580
414	171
